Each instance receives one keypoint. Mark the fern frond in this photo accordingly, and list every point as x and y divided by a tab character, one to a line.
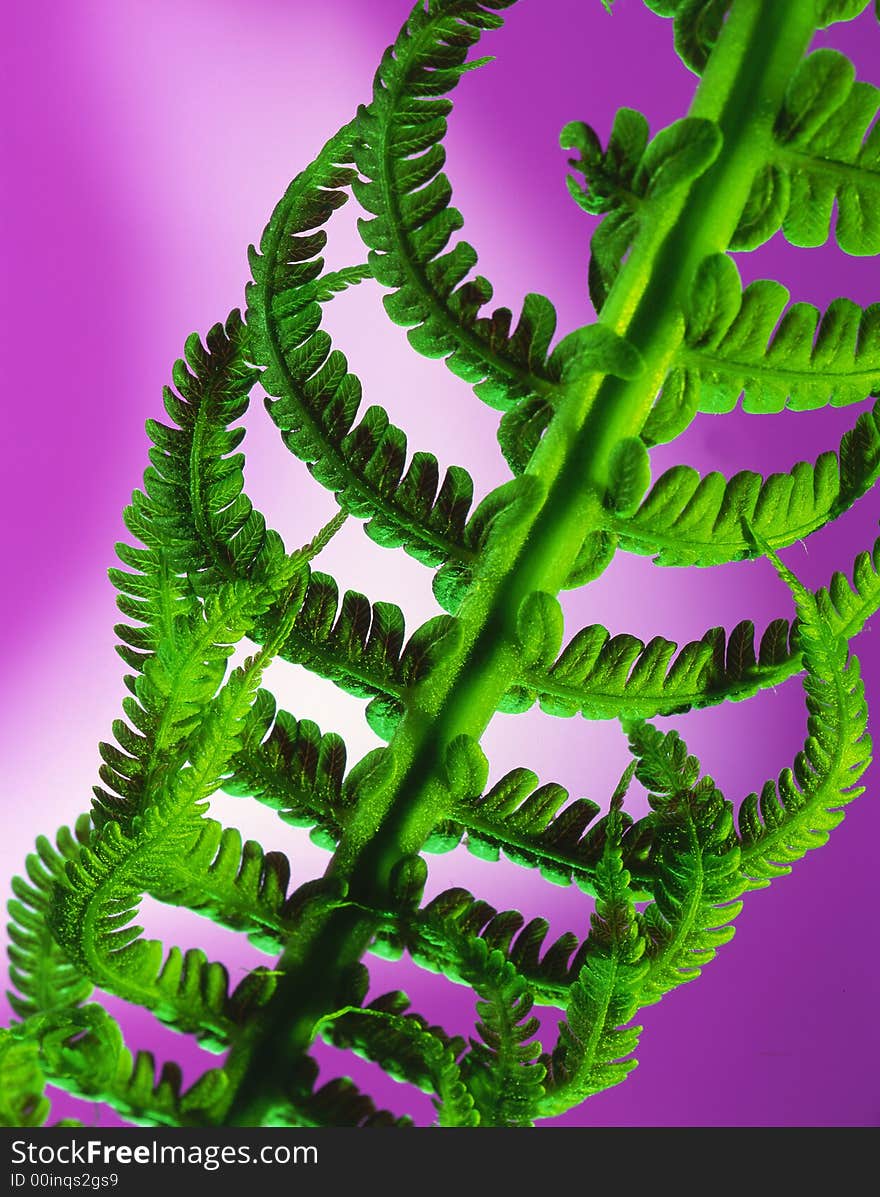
608	677
600	675
405	1047
535	826
686	519
826	153
624	181
353	642
91	917
695	863
288	765
210	747
401	158
209	528
334	282
182	989
200	535
846	603
314	399
179	674
502	1070
697	23
798	811
233	882
95	902
44	978
436	937
751	343
22	1083
335	1103
360	646
83	1053
590	1053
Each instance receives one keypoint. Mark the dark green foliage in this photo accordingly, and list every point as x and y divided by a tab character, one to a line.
199	533
336	1103
86	1055
206	525
405	191
697	23
605	676
43	978
317	399
535	826
695	858
502	1068
235	883
436	938
799	810
674	338
591	1050
630	476
291	767
409	1050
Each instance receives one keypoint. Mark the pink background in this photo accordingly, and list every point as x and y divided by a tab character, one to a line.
145	145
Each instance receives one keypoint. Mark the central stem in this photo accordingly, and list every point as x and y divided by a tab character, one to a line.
742	90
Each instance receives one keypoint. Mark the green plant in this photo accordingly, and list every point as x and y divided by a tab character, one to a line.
772	140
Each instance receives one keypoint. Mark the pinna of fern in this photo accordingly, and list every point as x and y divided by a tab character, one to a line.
676	334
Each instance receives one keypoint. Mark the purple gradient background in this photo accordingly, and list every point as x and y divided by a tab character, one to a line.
144	147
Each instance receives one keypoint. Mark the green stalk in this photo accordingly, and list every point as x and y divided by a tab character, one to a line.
742	90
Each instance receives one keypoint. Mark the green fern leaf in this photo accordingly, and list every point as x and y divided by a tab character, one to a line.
591	1050
408	1050
85	1055
827	151
630	477
484	533
502	1070
697	23
607	677
799	810
401	159
748	343
22	1083
91	918
336	1103
289	766
234	883
208	527
520	430
535	826
437	936
687	519
95	902
623	181
178	678
354	643
315	400
45	980
600	675
695	863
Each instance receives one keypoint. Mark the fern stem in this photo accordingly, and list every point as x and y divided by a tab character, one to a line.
742	91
